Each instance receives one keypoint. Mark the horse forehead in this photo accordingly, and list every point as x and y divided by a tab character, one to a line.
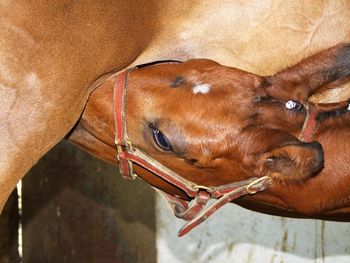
192	91
202	103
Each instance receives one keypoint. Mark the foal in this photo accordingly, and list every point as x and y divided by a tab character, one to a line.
215	125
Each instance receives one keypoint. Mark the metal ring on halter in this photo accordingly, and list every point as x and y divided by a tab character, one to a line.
255	183
119	150
129	145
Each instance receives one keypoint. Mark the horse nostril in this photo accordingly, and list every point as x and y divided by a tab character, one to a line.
319	156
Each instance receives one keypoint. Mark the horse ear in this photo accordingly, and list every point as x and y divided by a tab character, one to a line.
318	74
294	163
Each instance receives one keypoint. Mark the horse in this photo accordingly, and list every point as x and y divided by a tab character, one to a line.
54	54
238	126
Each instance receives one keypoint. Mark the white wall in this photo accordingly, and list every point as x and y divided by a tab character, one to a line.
237	235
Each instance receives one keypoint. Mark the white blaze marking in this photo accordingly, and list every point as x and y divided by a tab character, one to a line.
201	88
349	106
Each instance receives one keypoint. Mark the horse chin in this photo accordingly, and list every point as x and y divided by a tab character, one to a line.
294	163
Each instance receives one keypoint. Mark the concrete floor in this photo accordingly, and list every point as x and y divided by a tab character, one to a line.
236	235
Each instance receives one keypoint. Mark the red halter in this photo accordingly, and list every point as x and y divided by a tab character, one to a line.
310	124
195	212
313	112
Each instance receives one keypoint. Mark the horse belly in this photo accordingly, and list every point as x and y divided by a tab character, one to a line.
257	36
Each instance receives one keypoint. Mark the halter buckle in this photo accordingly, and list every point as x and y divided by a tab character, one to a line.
119	150
129	145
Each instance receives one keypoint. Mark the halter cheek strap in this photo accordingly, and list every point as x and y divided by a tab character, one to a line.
125	166
310	124
195	211
314	112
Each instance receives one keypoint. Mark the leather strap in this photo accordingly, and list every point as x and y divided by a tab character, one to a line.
125	166
188	210
314	111
310	124
256	185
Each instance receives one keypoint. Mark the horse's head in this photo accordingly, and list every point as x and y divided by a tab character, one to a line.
199	118
215	125
202	121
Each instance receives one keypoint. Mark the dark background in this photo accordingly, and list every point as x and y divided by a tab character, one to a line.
78	209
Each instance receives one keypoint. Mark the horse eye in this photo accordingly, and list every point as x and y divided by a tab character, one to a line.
160	139
293	105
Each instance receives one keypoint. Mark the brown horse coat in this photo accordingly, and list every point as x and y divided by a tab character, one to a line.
52	52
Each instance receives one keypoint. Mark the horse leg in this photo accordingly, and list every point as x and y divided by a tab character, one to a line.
49	56
30	125
38	107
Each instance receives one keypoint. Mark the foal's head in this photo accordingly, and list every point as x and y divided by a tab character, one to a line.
201	120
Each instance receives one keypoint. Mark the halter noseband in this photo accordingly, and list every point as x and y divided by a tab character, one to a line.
194	211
